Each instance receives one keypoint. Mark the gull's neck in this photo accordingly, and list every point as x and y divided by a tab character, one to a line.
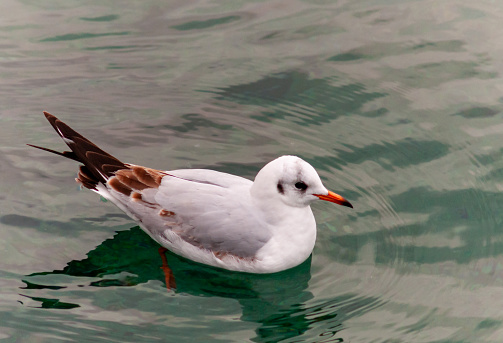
293	232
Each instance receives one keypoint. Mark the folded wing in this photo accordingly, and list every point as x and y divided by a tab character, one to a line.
207	209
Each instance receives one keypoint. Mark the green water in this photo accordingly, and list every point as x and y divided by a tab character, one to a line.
397	104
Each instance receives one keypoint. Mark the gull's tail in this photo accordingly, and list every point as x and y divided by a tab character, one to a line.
98	166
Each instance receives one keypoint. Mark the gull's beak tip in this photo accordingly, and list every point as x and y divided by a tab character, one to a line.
347	203
335	198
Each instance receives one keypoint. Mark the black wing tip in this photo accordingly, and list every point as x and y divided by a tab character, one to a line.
50	117
68	154
45	149
83	151
53	120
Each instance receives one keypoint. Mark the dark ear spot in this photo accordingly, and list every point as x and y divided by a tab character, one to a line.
281	190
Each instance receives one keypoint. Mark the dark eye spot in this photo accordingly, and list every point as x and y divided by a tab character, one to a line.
301	186
280	188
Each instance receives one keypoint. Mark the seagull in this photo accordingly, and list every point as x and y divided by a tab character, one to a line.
214	218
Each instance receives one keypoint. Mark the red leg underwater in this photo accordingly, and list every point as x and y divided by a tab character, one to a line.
168	273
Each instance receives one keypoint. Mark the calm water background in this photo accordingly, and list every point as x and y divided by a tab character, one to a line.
397	104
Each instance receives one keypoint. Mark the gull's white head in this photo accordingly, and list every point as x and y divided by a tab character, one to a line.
294	182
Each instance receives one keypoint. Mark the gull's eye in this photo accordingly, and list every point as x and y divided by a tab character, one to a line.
301	186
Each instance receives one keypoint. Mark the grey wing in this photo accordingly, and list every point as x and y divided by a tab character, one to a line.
213	212
211	177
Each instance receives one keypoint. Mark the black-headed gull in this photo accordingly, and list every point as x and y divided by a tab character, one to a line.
214	218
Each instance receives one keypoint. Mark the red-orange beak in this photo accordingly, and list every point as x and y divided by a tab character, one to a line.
334	197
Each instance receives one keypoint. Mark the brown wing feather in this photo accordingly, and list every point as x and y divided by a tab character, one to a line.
99	165
135	179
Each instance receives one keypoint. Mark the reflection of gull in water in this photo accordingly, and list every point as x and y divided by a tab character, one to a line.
210	217
114	284
267	299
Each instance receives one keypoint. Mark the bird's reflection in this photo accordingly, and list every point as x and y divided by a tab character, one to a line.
264	298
